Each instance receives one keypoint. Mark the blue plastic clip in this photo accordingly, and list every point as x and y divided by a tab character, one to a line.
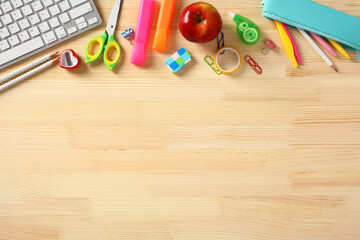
221	42
128	34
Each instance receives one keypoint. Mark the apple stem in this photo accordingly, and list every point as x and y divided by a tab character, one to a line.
199	18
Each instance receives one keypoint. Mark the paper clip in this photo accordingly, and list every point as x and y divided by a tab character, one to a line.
253	64
358	57
221	42
211	64
269	45
129	35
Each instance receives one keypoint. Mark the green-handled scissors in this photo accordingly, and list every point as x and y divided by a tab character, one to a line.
106	41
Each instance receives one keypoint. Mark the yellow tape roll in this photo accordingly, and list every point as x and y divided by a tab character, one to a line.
232	50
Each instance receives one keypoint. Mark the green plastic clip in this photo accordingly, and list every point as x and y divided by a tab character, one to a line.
212	64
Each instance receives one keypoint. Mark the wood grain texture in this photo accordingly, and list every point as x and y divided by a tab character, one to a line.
141	153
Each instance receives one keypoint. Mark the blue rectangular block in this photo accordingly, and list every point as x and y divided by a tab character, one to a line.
178	60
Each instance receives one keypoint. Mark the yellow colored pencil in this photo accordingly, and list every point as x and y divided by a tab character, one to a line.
287	43
339	48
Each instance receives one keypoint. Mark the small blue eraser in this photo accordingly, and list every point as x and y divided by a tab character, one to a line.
178	60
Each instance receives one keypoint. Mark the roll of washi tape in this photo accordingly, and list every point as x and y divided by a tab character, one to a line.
220	67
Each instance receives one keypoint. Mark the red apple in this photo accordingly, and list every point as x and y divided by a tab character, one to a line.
200	22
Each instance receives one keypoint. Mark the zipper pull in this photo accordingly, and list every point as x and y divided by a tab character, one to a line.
358	57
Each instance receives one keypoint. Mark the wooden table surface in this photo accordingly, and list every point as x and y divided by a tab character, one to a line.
141	153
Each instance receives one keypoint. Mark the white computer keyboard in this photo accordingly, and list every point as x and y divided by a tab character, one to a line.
30	26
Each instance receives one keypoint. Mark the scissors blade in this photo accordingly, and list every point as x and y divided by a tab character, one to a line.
110	29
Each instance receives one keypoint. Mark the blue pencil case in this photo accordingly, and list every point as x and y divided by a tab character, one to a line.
317	18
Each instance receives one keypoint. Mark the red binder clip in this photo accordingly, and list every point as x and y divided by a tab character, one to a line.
253	64
270	45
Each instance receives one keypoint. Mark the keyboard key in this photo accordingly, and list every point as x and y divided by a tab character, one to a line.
37	5
64	18
34	19
6	7
80	20
21	50
82	25
27	10
4	45
54	10
54	22
14	28
47	3
74	3
49	37
93	20
64	5
44	14
44	26
24	36
16	14
27	1
17	3
60	32
81	10
4	33
6	19
34	31
14	40
24	24
0	24
71	30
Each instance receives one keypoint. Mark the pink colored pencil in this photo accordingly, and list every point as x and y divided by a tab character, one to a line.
296	49
324	44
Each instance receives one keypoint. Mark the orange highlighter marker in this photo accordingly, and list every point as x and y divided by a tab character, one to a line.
164	25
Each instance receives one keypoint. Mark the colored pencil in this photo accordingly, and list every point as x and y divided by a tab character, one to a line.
316	47
324	44
339	48
27	67
287	43
28	74
296	49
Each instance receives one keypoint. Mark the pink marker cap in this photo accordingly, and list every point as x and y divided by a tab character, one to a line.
142	31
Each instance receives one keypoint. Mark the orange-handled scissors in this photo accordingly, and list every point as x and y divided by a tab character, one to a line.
106	41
